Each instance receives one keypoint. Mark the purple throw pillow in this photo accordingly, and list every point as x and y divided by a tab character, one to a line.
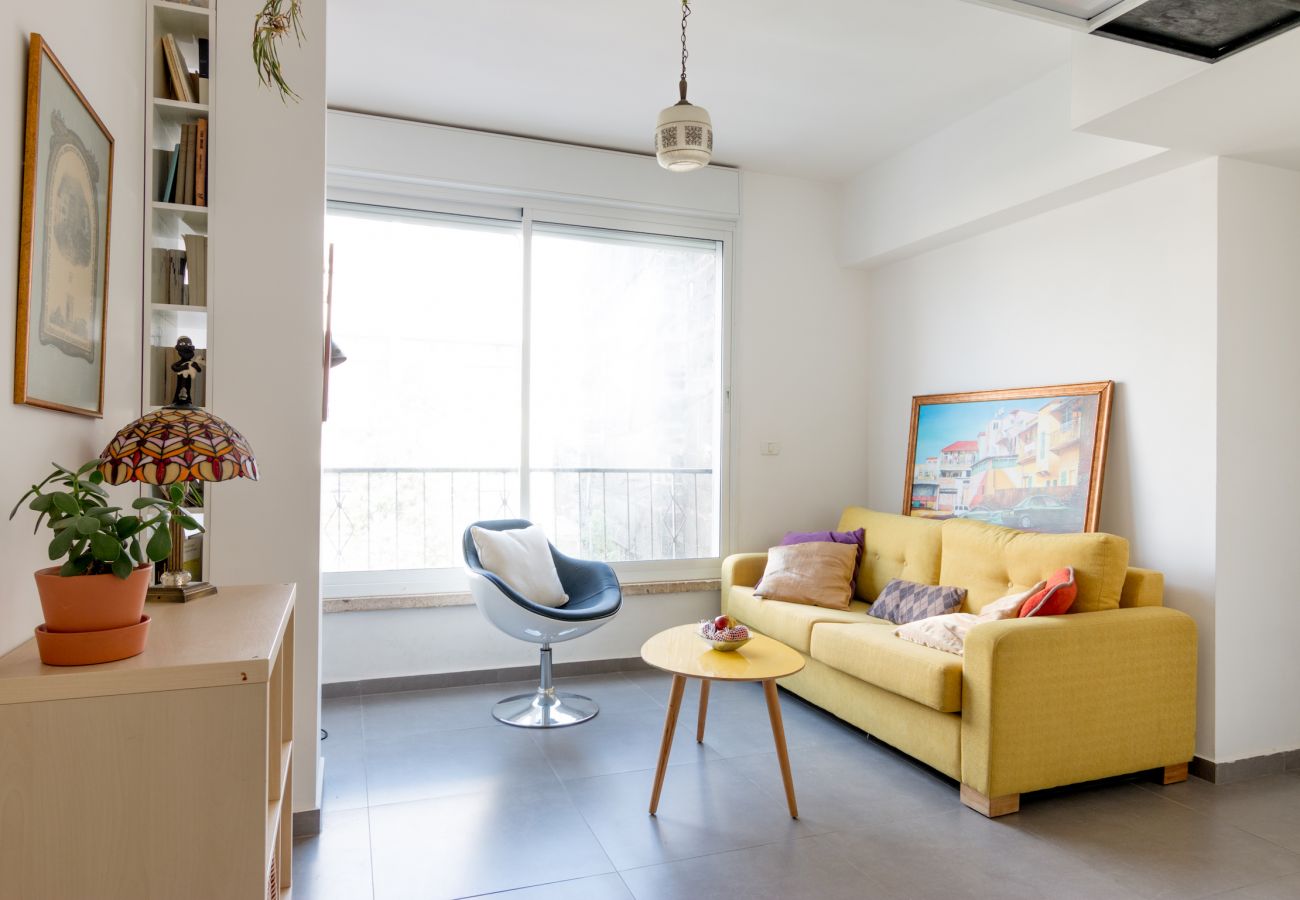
857	536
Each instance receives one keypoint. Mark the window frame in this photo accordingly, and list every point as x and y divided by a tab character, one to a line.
580	214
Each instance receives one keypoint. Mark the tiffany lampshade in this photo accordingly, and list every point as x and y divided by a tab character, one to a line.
178	443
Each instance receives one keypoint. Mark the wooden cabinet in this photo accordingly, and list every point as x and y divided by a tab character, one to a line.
164	776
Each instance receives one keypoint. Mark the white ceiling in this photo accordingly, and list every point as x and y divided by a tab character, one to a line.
818	89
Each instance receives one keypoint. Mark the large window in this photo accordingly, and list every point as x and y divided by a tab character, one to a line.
588	359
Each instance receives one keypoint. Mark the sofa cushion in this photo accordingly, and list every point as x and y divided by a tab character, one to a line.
856	537
817	573
873	653
789	623
895	547
1054	598
991	561
948	632
906	601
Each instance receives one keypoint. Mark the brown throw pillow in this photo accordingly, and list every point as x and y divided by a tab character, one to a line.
816	573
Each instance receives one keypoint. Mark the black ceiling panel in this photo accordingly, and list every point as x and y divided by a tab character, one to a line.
1207	30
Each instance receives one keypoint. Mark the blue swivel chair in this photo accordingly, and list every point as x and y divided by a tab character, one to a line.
594	598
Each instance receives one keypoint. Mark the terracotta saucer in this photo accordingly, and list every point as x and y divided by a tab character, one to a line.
84	648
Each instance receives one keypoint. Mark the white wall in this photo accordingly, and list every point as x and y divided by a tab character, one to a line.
362	645
1011	160
1107	75
91	39
1120	286
1243	106
415	158
1258	484
268	203
800	357
797	371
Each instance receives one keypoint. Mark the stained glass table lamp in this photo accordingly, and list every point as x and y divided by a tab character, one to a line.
173	445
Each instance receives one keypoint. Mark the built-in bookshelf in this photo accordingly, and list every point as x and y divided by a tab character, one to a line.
179	177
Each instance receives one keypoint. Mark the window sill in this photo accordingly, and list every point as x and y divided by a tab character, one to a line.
433	601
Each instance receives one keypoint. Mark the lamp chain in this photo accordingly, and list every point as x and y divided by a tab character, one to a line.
686	12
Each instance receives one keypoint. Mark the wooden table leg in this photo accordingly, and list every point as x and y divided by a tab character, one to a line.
670	725
704	709
778	735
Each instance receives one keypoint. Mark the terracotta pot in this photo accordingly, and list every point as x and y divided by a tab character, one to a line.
86	648
92	602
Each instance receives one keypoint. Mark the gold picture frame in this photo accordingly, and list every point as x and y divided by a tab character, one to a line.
1028	458
63	243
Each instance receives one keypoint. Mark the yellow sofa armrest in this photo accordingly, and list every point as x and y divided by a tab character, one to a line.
1062	699
745	569
1142	587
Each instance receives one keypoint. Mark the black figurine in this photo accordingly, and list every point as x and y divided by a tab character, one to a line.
186	370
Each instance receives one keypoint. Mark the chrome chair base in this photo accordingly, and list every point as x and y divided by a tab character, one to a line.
545	709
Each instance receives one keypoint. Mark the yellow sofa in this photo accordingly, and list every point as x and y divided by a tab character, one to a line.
1108	689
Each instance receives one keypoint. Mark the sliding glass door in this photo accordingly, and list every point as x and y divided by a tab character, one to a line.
477	348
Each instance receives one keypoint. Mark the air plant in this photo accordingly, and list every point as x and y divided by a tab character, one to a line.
277	18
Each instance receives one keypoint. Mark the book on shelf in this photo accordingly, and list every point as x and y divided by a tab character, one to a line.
196	268
193	556
180	277
201	163
204	73
162	160
159	281
175	278
168	192
185	191
178	75
167	281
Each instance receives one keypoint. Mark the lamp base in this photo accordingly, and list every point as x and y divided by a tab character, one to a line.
183	594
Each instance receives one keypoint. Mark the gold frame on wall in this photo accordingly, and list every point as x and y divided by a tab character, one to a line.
1102	390
78	346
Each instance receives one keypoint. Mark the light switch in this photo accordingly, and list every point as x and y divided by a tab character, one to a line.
770	448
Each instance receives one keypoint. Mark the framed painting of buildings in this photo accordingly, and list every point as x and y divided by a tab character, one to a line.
1027	458
63	243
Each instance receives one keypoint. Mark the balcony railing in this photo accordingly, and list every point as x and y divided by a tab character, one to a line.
1069	432
411	518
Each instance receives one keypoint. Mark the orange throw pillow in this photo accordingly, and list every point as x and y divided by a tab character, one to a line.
1054	598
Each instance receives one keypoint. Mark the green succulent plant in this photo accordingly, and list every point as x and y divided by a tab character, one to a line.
94	538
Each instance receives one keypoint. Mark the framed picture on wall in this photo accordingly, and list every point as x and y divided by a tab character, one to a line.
63	243
1027	458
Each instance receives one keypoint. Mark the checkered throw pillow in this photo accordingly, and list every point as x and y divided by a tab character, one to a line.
906	601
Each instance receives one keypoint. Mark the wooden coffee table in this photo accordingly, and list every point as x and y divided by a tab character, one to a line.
683	653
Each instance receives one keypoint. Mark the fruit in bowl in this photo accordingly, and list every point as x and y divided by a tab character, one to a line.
724	633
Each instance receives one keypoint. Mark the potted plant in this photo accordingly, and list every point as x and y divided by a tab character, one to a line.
96	596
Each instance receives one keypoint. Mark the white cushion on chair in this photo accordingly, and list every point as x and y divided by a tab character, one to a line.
522	559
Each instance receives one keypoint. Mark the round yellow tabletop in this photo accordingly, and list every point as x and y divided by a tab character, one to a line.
682	651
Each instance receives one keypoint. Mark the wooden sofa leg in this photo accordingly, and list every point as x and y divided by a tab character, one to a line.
1172	774
990	806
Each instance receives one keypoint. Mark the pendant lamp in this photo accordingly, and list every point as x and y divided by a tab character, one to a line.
684	132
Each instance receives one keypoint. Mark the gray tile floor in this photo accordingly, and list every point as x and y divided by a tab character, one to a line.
427	797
